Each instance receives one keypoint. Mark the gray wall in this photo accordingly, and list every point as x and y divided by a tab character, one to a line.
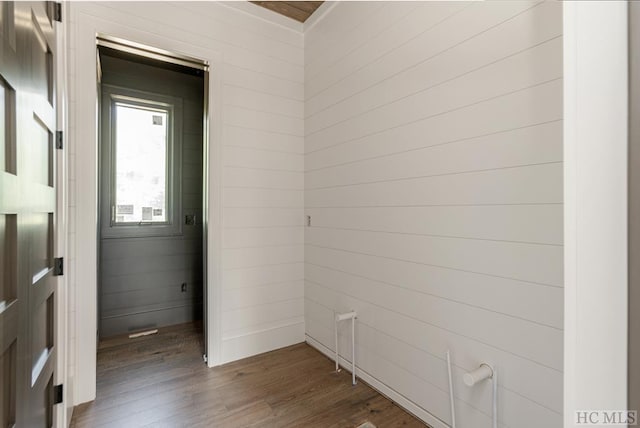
140	278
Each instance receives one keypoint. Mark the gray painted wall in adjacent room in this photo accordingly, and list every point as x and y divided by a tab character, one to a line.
141	278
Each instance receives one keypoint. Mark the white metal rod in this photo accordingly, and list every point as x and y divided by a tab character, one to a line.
451	399
494	379
336	333
353	350
483	372
342	317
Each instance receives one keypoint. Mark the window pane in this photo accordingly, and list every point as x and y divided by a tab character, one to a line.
140	165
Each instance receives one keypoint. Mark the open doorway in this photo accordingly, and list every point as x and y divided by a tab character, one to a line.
151	237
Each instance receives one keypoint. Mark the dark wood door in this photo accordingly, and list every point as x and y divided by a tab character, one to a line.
27	213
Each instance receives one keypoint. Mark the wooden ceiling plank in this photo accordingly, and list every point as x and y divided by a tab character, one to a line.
306	6
283	9
298	10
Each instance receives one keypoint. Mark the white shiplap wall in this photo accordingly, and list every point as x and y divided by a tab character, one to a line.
433	177
260	73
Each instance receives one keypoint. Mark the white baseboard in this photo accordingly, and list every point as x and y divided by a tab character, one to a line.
261	341
382	388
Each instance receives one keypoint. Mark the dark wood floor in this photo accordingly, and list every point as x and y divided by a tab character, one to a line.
161	381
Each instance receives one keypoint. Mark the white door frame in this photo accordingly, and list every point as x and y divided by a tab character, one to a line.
83	41
595	206
62	412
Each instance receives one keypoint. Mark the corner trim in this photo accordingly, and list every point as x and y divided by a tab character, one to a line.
319	15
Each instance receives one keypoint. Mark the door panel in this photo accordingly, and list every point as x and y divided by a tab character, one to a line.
27	214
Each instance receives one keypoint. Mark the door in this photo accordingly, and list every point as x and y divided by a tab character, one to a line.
27	213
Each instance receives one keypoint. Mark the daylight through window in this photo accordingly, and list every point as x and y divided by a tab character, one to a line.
141	164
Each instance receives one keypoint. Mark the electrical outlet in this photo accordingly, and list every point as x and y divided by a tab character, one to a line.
183	287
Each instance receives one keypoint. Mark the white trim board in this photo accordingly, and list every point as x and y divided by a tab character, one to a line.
595	216
382	388
62	414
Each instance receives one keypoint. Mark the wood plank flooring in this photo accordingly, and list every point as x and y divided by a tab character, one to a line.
161	381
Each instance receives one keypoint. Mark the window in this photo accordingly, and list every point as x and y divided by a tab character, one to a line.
141	163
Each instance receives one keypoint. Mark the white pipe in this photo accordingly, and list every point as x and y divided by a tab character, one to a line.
353	350
452	402
495	398
336	348
485	371
346	316
342	317
481	373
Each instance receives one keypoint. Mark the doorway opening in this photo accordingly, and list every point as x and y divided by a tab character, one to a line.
152	242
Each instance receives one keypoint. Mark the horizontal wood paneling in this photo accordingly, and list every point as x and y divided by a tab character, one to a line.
263	275
263	217
433	178
240	318
520	109
262	140
263	121
540	304
520	375
520	147
513	334
361	32
538	224
260	256
238	238
260	82
535	263
379	352
252	296
447	62
261	95
263	159
263	198
331	34
536	184
525	70
256	100
236	177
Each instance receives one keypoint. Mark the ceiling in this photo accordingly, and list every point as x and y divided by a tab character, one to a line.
298	10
